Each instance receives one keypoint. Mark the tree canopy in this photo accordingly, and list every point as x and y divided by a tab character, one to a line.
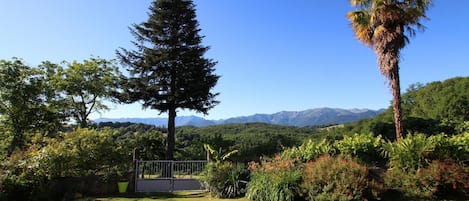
26	103
87	85
43	98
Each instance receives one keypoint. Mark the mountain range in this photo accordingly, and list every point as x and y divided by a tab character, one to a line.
311	117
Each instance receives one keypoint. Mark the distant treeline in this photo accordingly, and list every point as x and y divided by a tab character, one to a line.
252	140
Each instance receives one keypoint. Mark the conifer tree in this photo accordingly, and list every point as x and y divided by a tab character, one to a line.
168	70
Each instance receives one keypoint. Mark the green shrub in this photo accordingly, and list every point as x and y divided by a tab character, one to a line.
309	150
439	180
226	180
84	152
334	178
275	180
417	151
365	148
409	153
455	147
26	174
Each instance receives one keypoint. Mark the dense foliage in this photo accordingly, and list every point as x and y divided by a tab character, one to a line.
443	102
104	154
27	103
79	153
43	98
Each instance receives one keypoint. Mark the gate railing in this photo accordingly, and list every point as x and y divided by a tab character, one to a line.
168	172
167	169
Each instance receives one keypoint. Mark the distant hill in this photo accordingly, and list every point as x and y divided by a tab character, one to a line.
180	121
312	117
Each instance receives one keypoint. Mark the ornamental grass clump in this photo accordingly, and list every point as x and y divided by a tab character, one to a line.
274	180
225	179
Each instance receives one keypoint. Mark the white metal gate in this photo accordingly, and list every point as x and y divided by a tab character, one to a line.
168	176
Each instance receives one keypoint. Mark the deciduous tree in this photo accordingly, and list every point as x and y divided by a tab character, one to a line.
24	106
87	85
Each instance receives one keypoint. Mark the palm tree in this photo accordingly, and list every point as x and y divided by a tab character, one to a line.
385	25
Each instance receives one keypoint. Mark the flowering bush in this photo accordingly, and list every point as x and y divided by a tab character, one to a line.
440	179
334	178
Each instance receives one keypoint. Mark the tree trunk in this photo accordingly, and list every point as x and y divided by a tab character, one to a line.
17	142
83	124
171	134
396	101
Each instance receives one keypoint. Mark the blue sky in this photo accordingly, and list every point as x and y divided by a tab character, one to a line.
274	55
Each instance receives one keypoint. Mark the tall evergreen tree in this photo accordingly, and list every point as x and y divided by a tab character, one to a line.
168	69
384	25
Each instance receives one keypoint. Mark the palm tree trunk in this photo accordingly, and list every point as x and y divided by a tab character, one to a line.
396	101
171	134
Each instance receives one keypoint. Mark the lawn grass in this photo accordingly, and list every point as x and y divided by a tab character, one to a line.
176	196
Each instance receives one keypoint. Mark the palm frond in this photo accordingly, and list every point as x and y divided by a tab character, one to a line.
361	4
211	150
421	5
360	22
228	155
